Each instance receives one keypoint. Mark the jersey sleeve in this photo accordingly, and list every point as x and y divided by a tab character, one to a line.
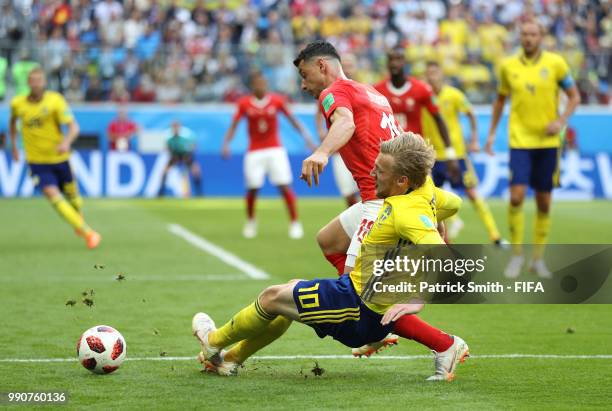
563	74
283	107
416	224
503	87
62	111
429	100
447	203
240	111
332	98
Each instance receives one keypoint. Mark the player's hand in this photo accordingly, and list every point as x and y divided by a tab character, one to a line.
554	127
474	146
489	146
63	147
225	152
453	169
398	310
312	167
15	154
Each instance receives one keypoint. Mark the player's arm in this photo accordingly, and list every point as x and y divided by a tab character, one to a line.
573	100
340	132
447	204
229	135
320	124
300	128
71	135
503	91
474	144
13	136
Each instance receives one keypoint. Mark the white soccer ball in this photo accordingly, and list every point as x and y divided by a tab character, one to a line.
101	349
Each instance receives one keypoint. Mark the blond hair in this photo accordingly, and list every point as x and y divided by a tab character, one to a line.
413	157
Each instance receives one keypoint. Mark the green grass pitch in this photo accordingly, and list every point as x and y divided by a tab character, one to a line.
43	264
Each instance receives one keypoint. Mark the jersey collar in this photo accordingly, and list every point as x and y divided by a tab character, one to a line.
399	91
260	103
530	62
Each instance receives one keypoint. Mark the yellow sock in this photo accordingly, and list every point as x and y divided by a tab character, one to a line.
69	214
542	227
516	220
487	218
245	348
71	190
249	322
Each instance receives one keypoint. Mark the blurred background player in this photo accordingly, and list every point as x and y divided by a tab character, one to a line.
181	145
42	114
266	155
409	97
343	177
452	102
532	79
121	131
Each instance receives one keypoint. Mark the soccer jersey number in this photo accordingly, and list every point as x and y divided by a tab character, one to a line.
262	125
388	121
309	297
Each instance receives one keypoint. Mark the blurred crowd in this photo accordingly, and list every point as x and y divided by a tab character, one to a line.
171	51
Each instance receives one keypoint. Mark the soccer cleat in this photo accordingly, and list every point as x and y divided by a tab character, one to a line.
369	349
224	369
296	231
454	227
514	267
502	244
446	362
250	229
92	239
539	267
201	325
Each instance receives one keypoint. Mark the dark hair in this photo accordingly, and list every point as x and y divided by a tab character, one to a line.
317	48
432	63
254	75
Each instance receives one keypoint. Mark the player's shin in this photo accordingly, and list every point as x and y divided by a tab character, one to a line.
247	323
413	328
542	227
68	213
483	211
246	348
71	191
516	220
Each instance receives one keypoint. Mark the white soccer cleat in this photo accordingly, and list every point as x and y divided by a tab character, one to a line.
296	231
224	369
514	267
502	244
202	325
446	362
454	227
539	267
250	229
372	348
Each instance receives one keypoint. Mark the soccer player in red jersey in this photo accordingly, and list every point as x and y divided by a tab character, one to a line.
408	96
265	155
358	118
120	131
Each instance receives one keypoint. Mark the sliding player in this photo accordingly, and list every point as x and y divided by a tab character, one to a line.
335	307
42	114
532	80
452	103
266	155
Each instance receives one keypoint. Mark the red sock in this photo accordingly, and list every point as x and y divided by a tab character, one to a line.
413	328
290	198
338	261
250	201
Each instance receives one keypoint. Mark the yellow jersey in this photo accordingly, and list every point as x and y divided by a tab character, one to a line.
41	126
412	217
452	103
533	86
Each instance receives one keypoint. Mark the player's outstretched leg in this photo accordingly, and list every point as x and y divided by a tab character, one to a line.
250	227
446	362
296	231
483	211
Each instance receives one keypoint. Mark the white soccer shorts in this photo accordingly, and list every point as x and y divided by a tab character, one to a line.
357	220
344	179
272	162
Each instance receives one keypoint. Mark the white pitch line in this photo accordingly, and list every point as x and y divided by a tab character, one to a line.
338	357
220	253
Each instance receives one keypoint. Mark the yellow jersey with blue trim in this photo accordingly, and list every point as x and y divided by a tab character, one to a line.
452	102
407	219
40	124
533	87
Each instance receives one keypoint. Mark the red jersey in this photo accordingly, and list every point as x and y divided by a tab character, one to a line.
374	123
262	116
407	102
119	129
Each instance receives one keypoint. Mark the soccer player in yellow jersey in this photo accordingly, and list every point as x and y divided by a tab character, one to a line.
334	307
42	114
452	103
532	80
